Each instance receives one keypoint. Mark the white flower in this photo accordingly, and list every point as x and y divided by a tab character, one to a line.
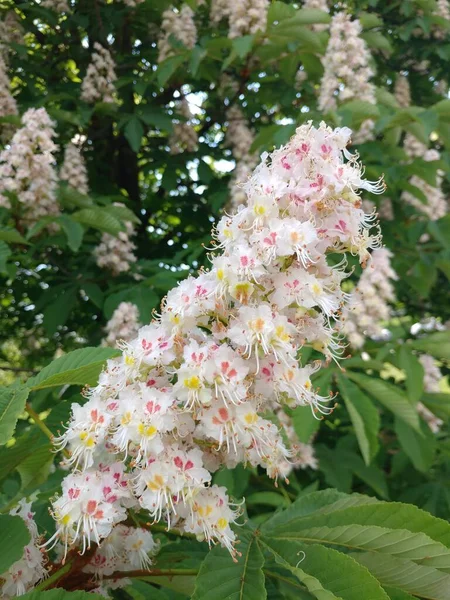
123	325
194	389
370	304
184	136
8	105
347	72
27	168
179	24
60	6
117	253
74	170
98	83
402	91
25	573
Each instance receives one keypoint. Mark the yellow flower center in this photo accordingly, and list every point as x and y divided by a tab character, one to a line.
156	483
222	523
125	420
251	418
205	511
147	431
192	383
87	439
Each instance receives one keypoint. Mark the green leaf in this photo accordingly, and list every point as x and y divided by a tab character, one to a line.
359	110
168	67
57	313
153	115
100	219
406	575
5	253
70	197
8	234
122	213
440	230
305	423
414	374
327	574
141	295
323	501
80	367
94	292
389	396
15	536
243	45
35	469
386	515
243	579
364	416
73	230
420	449
12	403
437	344
376	40
11	457
134	132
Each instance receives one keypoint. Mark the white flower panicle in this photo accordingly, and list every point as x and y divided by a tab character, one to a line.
132	3
125	549
303	455
117	253
98	83
60	6
25	573
347	72
247	17
432	374
370	303
317	5
431	380
179	24
11	31
244	16
123	325
184	137
27	168
189	392
402	91
413	147
240	139
436	205
442	10
73	169
8	105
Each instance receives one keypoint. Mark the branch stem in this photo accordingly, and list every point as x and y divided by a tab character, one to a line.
42	426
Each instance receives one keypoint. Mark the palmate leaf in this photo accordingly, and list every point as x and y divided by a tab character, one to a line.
15	536
364	416
80	367
12	403
228	580
414	546
327	574
389	515
406	575
390	396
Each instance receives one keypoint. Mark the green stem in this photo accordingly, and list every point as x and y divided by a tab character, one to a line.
42	426
46	583
285	579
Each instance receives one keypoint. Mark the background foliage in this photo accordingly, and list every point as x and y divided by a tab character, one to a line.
55	298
